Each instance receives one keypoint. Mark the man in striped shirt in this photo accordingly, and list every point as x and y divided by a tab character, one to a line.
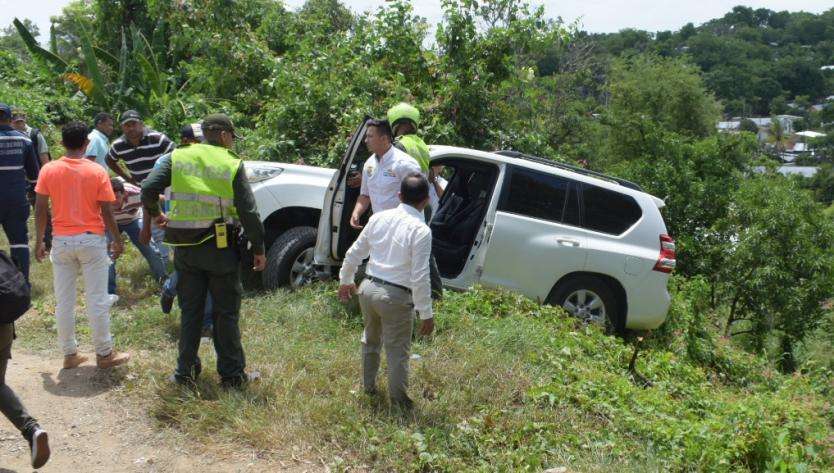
126	211
138	149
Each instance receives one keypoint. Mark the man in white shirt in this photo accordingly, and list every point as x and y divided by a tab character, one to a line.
382	173
100	139
398	242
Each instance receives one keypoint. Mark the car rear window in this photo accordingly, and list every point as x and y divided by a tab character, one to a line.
539	195
607	211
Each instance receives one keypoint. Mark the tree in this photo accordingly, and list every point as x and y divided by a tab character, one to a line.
777	263
748	125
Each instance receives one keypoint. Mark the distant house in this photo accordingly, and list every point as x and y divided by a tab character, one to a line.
827	68
732	125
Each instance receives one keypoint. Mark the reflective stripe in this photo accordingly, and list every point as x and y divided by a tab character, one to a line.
19	246
208	199
197	224
10	168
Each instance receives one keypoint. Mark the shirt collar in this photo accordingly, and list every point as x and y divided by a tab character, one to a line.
411	210
388	155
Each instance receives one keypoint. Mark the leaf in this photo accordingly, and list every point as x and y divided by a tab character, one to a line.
51	59
84	83
106	57
92	68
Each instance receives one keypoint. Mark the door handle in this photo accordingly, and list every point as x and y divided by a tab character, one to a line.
564	241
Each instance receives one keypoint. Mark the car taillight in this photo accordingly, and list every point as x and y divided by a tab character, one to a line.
666	261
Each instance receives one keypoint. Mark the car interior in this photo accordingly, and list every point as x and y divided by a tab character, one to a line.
461	212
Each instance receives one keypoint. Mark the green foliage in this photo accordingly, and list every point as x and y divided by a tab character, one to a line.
776	262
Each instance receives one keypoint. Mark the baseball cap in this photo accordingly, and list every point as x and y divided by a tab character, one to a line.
5	111
193	132
219	121
130	116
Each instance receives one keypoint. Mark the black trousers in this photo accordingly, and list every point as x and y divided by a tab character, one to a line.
205	269
10	405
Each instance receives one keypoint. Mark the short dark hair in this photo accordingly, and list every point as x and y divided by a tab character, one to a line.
74	134
117	184
101	117
414	189
383	126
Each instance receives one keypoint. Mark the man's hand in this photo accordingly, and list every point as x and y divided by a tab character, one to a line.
161	220
427	327
260	263
41	252
354	180
346	291
116	247
354	222
145	234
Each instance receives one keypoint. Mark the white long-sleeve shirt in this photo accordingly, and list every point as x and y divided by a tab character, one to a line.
399	245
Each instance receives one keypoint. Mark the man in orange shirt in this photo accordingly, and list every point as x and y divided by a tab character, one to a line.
81	196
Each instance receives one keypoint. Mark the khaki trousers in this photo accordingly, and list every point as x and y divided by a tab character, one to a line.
389	321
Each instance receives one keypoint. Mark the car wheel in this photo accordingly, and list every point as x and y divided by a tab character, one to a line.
289	261
590	300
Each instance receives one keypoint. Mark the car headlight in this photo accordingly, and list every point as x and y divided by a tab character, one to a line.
258	174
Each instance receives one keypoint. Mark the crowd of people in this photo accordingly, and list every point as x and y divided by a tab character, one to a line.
195	199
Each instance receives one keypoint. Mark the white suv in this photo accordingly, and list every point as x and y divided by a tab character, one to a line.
593	244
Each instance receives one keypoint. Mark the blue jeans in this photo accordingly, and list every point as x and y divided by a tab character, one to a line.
13	217
170	289
151	256
157	236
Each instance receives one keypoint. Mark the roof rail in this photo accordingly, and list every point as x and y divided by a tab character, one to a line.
569	167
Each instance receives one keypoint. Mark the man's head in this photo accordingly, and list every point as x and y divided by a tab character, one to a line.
118	185
19	121
414	191
378	138
218	130
191	134
132	125
103	122
5	114
74	136
404	119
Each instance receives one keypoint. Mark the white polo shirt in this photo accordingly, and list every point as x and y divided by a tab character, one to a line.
381	179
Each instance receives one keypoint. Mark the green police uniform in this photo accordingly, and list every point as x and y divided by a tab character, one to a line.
208	186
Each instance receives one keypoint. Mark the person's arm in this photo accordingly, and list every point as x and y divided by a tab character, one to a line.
43	148
420	280
363	203
41	217
113	163
116	246
247	211
154	185
31	164
357	253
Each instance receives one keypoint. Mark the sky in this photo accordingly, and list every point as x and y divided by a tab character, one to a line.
593	15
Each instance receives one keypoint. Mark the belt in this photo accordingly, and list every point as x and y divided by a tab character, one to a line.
386	283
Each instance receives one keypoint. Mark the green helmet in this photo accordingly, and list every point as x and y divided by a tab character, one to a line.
403	111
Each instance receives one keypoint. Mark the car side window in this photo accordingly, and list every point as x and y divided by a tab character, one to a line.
540	195
607	211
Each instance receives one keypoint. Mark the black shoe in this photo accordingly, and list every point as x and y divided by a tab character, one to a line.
240	382
166	301
39	446
405	404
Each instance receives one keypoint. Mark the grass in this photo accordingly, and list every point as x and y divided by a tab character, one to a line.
503	385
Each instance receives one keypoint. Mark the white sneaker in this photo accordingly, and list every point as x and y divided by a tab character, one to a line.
112	299
40	448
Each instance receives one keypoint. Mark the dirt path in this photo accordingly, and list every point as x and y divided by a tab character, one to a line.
92	429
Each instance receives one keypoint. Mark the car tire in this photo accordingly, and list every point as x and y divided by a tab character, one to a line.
591	300
289	259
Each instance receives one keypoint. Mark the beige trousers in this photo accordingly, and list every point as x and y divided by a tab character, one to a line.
389	321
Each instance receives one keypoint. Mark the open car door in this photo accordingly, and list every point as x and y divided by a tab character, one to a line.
335	235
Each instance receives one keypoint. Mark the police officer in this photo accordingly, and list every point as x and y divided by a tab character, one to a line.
18	167
210	197
404	119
